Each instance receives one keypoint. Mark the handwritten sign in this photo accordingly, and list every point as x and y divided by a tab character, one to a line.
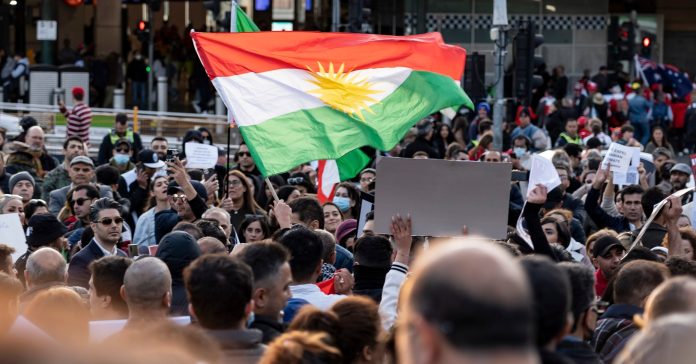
12	234
46	30
619	157
630	177
201	156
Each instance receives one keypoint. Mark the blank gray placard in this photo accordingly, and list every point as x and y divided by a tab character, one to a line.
442	196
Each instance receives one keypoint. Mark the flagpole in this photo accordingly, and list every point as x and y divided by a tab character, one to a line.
233	28
233	17
273	191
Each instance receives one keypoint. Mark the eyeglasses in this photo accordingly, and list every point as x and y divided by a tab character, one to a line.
81	200
244	154
122	150
296	180
178	197
107	221
367	179
235	183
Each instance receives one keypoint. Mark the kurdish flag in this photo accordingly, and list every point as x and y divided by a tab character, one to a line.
331	172
302	96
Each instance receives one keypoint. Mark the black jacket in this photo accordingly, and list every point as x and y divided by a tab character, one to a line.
167	219
270	328
78	271
420	145
177	250
580	352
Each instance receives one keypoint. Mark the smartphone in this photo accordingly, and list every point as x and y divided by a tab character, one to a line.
133	250
171	154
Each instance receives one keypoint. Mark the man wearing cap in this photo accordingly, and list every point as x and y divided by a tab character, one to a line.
187	198
80	118
135	183
81	172
423	141
120	131
43	230
122	154
22	184
533	133
107	223
679	176
60	177
606	257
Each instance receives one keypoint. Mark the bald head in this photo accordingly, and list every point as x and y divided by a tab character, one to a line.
674	295
45	265
35	137
471	295
210	245
147	284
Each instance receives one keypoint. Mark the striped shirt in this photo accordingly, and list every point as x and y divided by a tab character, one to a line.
79	121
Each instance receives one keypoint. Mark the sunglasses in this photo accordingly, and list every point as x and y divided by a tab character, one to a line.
107	221
81	200
244	154
178	197
296	180
8	196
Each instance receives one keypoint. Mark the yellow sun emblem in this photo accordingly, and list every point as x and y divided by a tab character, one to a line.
343	91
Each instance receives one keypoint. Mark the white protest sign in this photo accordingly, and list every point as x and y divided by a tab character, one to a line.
201	156
543	172
630	177
619	157
13	234
46	30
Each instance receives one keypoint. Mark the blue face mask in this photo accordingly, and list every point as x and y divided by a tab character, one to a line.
519	152
251	319
343	203
120	158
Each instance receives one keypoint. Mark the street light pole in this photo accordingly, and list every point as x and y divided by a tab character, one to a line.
499	37
150	55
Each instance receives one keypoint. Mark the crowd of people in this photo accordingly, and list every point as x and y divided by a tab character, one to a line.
133	256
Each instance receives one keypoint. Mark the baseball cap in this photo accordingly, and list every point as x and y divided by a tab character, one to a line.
604	244
200	189
78	91
150	159
82	159
43	229
680	167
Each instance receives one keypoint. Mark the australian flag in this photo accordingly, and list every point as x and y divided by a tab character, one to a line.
671	78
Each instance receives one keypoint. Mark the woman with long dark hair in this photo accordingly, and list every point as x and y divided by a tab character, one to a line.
254	228
658	139
144	234
442	138
347	198
239	200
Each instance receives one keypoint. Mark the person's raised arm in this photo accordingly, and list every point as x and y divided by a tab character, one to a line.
672	211
535	200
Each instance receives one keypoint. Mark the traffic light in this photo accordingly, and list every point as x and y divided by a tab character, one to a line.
524	79
142	31
646	45
626	39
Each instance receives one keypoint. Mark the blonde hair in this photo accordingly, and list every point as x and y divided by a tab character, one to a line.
298	347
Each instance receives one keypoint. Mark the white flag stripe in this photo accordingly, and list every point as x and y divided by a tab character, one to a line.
330	177
242	93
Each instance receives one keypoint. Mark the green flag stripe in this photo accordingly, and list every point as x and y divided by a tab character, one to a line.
281	143
244	24
351	164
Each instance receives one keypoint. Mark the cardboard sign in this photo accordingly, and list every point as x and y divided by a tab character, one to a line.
200	156
619	157
13	234
443	196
